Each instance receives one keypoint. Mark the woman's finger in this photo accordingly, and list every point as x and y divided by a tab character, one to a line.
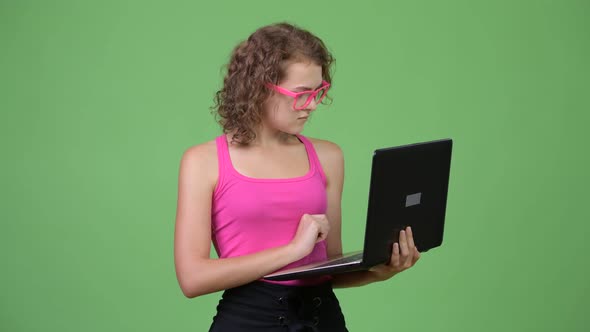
410	239
395	258
416	255
403	244
324	227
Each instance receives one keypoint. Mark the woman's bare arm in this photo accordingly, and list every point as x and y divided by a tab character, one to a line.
196	272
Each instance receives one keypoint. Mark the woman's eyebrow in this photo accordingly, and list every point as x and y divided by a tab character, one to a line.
306	88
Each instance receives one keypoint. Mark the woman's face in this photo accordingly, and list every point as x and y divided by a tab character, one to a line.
279	113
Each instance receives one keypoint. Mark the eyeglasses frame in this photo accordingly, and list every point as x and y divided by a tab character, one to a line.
312	94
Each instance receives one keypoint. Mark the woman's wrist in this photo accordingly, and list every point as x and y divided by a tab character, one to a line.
292	252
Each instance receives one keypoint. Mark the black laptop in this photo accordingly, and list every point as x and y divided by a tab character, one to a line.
408	187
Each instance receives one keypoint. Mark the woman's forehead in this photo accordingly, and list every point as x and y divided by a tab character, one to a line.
303	74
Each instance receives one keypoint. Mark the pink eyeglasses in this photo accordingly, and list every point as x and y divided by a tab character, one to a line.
303	98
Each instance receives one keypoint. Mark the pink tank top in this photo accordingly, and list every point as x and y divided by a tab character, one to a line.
252	214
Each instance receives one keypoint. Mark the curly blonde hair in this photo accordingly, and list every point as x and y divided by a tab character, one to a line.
260	59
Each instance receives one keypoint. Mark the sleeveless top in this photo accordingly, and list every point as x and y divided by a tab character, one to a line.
253	214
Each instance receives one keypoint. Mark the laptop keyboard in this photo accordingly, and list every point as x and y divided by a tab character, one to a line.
343	260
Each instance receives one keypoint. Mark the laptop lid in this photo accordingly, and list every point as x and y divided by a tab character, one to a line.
408	187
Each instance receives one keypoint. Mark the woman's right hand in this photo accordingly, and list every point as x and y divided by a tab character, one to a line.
312	229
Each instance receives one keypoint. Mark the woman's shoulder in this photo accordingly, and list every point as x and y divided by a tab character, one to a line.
330	156
201	159
325	148
201	152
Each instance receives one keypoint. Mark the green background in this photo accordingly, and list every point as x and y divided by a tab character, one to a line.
99	100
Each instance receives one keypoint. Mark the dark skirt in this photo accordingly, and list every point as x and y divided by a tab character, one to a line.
262	306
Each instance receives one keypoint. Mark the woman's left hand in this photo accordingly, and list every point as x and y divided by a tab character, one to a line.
404	255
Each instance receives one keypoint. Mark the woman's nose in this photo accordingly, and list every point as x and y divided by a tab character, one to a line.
312	105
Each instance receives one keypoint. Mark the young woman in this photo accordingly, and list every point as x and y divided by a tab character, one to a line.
268	197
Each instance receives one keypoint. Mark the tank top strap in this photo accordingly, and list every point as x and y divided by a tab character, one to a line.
313	156
223	160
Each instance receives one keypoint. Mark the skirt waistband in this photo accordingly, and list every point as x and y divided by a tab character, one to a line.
260	305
